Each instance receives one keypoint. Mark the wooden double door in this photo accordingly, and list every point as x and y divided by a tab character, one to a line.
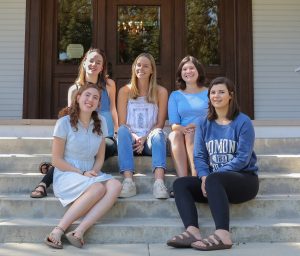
47	78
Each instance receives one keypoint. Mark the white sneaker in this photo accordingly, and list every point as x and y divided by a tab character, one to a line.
128	188
159	190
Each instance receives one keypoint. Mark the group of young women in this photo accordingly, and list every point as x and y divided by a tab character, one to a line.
209	136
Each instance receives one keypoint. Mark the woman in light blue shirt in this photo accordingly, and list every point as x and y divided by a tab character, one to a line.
185	107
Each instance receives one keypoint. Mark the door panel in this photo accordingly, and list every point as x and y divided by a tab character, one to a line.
121	72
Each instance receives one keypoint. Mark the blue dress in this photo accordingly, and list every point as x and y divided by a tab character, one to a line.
81	147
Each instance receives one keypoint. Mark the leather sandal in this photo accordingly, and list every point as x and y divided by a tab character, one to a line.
211	245
51	243
184	240
74	240
38	193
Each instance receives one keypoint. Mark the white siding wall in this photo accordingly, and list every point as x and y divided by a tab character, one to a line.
276	44
12	40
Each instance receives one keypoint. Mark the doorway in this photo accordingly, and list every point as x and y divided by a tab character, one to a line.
125	28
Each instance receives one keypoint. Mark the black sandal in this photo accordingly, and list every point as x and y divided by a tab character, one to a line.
40	194
44	167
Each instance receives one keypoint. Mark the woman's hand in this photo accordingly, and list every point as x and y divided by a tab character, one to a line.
203	178
190	128
91	173
138	146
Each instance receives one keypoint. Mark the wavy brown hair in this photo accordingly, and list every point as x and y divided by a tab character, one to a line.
74	110
233	109
200	68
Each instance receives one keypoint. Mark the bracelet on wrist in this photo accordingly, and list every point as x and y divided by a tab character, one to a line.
83	173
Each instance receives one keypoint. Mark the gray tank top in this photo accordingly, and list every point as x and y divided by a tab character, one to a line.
141	115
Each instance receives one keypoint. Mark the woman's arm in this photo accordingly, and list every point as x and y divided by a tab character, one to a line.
111	88
122	104
98	161
201	157
58	149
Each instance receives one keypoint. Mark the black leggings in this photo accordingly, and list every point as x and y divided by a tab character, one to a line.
110	150
222	188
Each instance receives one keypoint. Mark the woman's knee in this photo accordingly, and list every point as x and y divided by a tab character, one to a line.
175	136
158	136
98	190
123	131
157	133
114	185
180	184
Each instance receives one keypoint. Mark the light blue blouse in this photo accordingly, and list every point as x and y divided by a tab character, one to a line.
185	108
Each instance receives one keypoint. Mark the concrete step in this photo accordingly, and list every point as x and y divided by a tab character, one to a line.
144	205
42	145
30	162
270	183
148	249
150	230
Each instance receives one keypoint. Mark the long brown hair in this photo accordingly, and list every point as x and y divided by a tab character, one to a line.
134	91
200	68
233	109
74	110
102	77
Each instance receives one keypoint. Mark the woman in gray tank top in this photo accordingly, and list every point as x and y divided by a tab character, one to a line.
142	110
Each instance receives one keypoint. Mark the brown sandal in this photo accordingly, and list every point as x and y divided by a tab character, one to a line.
44	167
210	244
39	193
184	240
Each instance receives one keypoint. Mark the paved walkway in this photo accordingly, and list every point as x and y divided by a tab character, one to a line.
250	249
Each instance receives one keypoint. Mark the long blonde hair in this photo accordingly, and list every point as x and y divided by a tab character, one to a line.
152	92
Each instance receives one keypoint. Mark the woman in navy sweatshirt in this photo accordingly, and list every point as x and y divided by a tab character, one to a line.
226	169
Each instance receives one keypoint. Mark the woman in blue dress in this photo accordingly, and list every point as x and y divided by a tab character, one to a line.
78	154
93	69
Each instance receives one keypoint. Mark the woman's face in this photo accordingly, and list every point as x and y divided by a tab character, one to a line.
189	73
89	100
219	96
93	64
143	68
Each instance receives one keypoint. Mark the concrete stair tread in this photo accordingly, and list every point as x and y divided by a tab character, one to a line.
146	175
49	155
154	230
142	197
161	222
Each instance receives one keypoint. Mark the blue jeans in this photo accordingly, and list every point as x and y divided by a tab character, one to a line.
155	145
